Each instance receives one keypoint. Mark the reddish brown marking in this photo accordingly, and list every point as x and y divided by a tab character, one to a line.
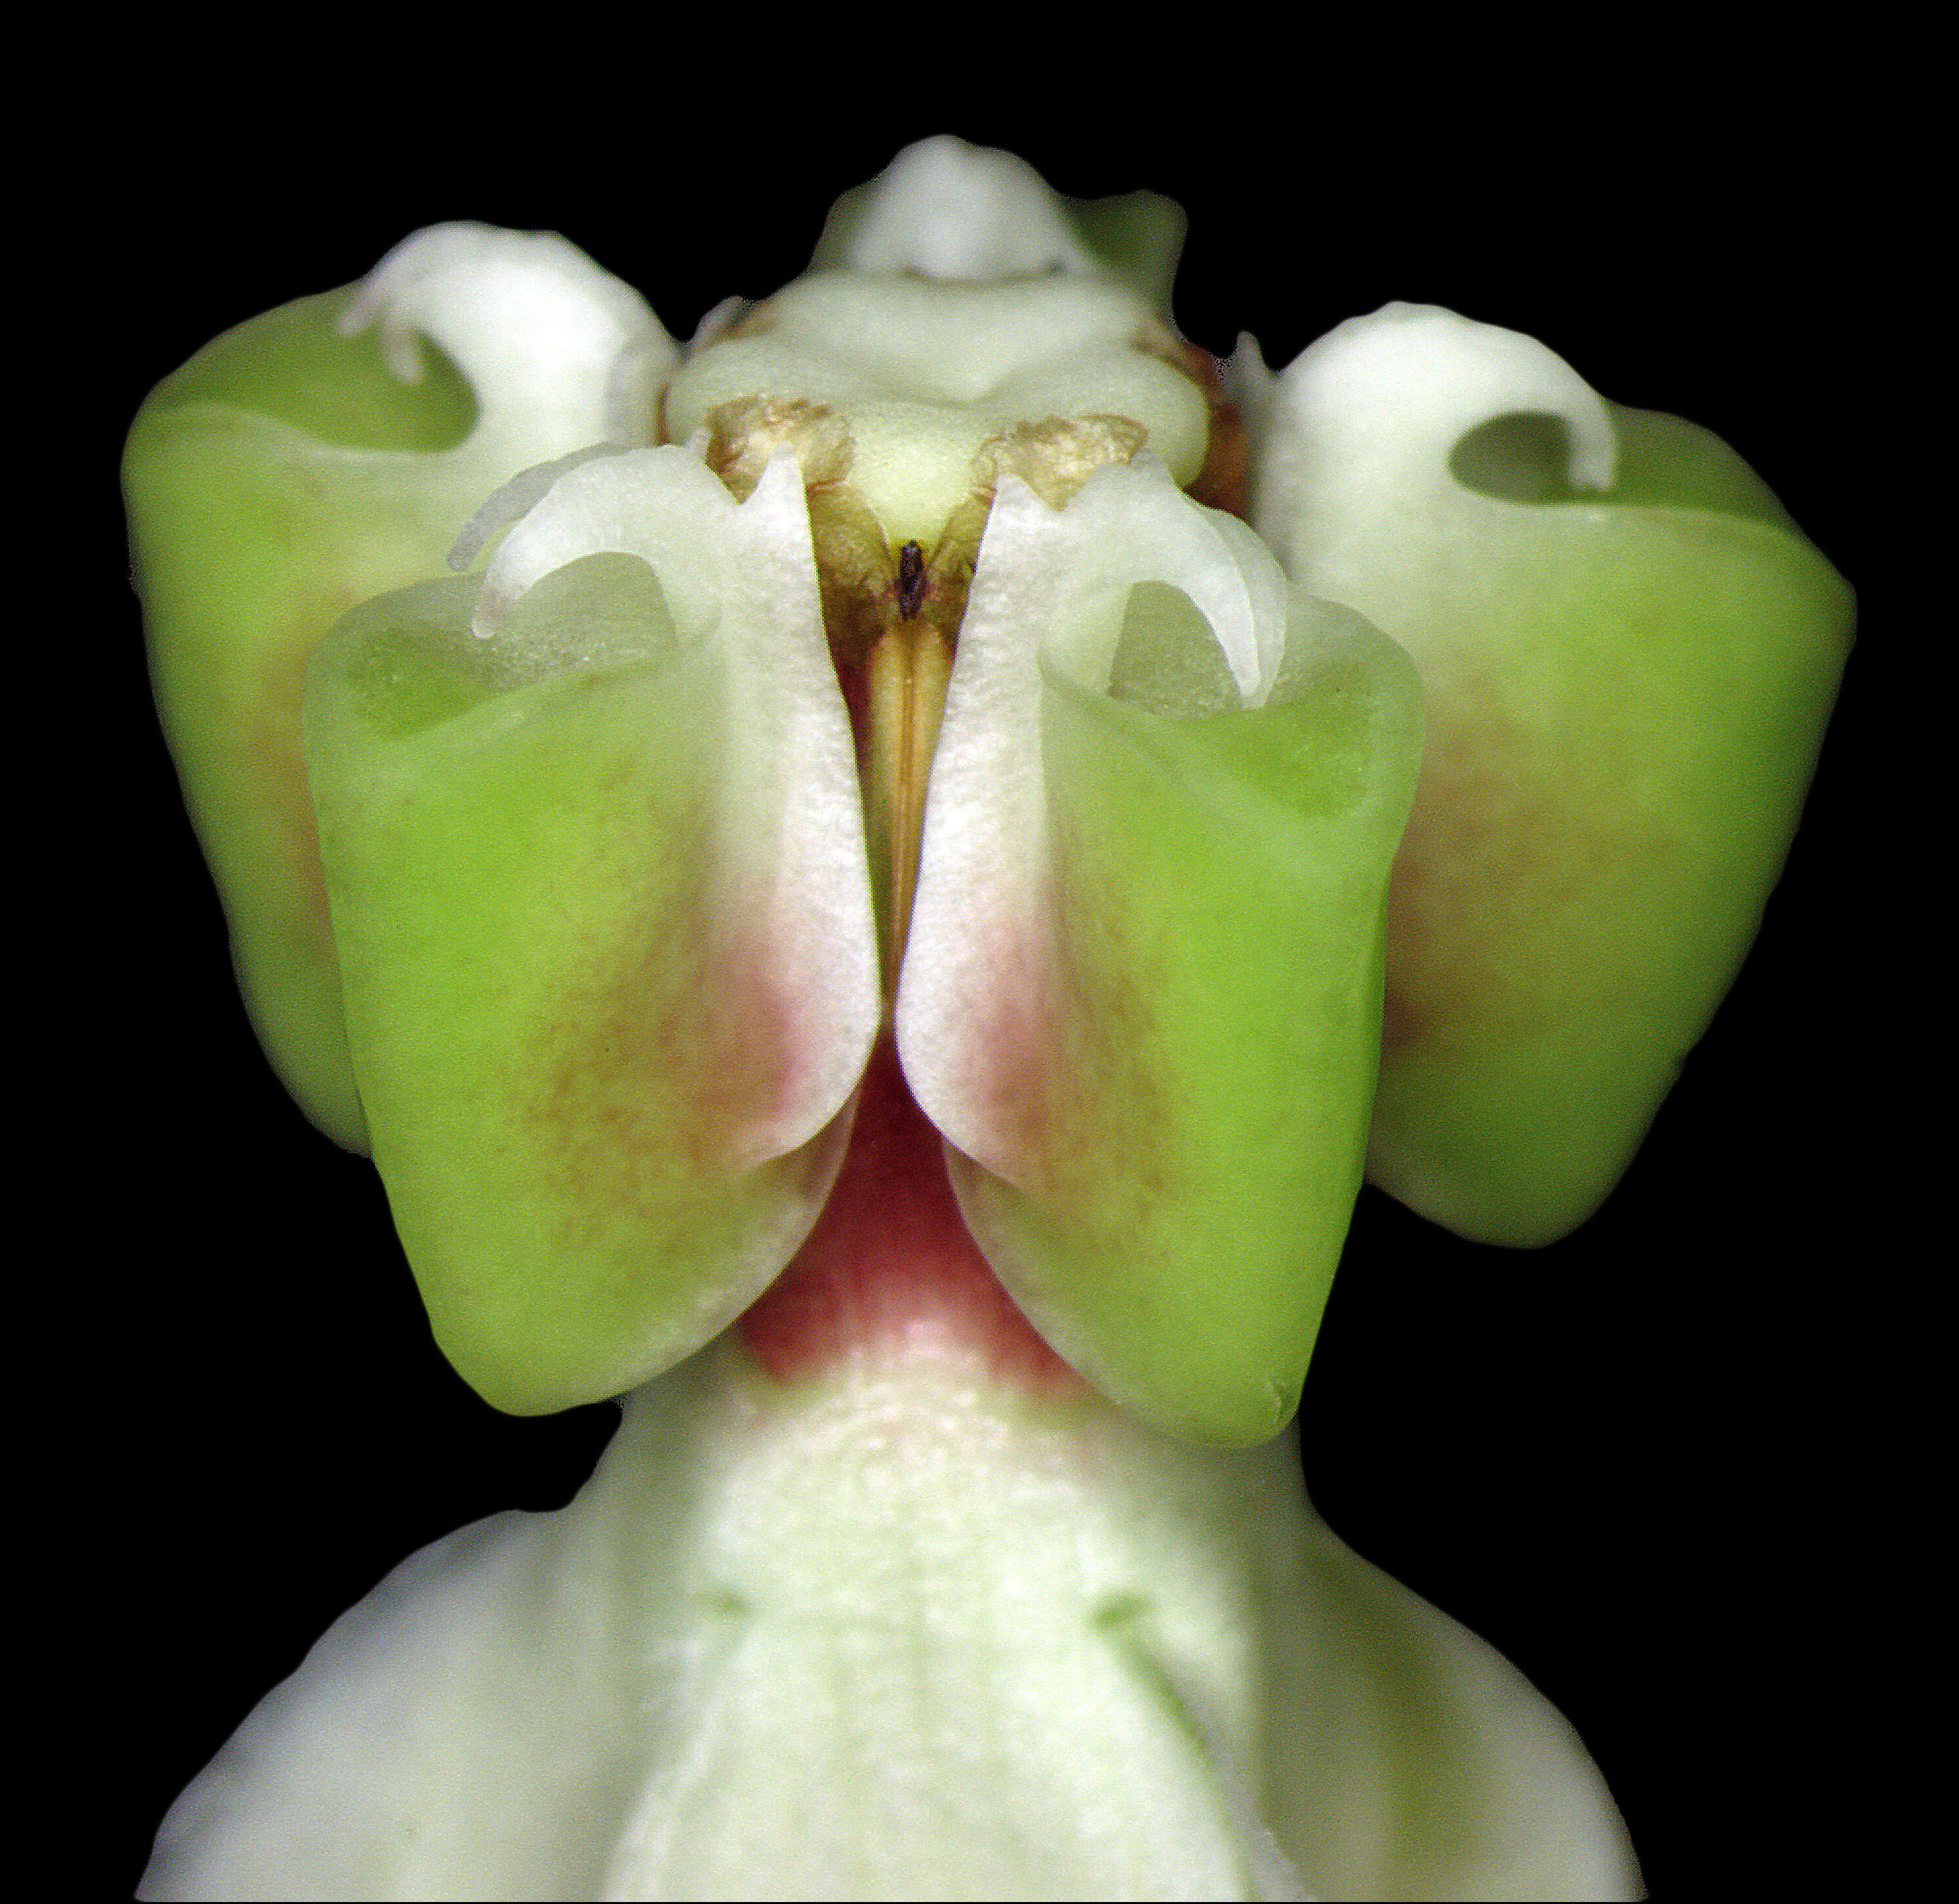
1224	482
271	752
910	586
853	680
1521	847
676	1043
1068	1081
892	1266
1205	369
1402	1023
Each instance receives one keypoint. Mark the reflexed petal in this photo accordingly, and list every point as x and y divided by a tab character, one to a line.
944	209
901	1634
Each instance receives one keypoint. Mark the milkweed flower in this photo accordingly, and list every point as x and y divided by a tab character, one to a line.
883	916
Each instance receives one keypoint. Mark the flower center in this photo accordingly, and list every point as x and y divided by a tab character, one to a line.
906	400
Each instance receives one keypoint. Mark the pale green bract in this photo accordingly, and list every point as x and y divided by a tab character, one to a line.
580	929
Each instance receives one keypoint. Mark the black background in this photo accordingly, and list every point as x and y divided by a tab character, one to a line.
1622	1460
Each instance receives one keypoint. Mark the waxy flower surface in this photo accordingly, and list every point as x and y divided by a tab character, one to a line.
870	920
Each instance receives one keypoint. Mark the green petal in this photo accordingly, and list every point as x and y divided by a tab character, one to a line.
598	885
1629	653
298	466
1141	995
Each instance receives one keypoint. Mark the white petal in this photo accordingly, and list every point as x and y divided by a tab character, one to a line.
901	1635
